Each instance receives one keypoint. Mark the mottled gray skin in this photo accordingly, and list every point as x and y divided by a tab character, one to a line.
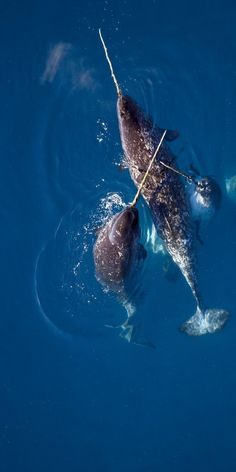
163	190
116	249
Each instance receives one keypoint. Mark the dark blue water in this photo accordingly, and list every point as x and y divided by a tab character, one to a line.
74	395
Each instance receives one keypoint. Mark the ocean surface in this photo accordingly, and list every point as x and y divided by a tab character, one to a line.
74	395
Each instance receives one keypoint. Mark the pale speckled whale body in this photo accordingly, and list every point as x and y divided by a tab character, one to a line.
165	195
163	190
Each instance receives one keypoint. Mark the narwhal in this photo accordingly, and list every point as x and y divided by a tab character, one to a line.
118	251
166	197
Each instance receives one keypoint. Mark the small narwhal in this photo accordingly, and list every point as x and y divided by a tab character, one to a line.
116	248
117	253
166	197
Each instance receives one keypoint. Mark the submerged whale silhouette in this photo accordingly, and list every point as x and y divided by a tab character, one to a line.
205	197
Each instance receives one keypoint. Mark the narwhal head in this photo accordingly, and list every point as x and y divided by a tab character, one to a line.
133	125
124	227
130	115
206	197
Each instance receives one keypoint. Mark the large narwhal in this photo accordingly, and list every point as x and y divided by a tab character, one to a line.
165	195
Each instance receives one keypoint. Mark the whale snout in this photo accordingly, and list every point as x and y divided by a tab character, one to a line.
128	218
125	226
123	104
128	110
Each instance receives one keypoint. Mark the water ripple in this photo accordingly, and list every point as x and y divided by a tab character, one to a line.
80	150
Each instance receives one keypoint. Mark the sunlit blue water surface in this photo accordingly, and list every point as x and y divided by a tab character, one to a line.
75	395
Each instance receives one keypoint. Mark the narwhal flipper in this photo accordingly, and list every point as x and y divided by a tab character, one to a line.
170	135
130	333
205	322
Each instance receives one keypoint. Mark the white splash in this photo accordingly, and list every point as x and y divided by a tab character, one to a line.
103	131
111	202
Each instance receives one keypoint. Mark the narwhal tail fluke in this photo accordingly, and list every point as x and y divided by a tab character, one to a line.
205	321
